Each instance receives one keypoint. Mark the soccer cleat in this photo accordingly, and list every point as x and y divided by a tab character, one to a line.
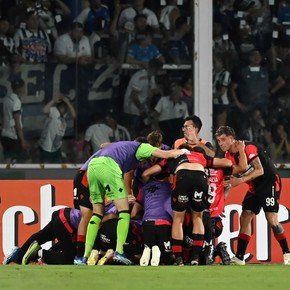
93	258
155	256
221	251
80	261
286	258
12	257
208	253
237	261
106	258
30	253
179	261
121	259
144	261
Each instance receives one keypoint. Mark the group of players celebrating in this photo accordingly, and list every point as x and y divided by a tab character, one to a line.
139	202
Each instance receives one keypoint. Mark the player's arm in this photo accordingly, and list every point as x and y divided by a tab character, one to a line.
128	179
257	171
165	154
137	207
221	162
154	170
242	166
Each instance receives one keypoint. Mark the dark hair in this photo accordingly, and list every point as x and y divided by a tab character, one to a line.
140	16
155	64
226	130
75	25
195	120
17	84
180	21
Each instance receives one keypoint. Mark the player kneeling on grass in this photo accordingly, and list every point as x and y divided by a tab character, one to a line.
63	227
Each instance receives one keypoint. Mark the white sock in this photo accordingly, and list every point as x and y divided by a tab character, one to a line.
39	253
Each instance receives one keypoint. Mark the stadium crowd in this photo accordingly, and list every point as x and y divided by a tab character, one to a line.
250	73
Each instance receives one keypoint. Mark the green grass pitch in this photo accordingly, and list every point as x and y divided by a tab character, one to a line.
216	277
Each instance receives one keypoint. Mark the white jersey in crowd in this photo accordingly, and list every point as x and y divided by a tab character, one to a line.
221	79
139	82
53	132
165	15
97	134
121	134
169	110
128	14
65	46
11	104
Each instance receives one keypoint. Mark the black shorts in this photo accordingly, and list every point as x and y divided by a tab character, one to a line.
267	197
158	234
191	191
81	191
107	238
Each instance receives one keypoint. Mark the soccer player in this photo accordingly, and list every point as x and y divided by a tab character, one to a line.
191	128
105	176
83	203
264	191
63	227
154	197
187	194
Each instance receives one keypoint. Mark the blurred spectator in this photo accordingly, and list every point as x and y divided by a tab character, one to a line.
73	47
187	93
120	133
284	23
281	142
168	16
97	15
32	43
7	46
246	43
97	134
221	82
177	50
255	129
170	112
50	143
124	37
137	97
251	89
141	52
128	14
223	45
15	147
51	12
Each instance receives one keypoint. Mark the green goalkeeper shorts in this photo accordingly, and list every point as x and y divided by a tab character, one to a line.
105	180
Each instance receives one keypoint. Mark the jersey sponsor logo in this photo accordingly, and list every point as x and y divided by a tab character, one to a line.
197	195
167	246
152	188
182	199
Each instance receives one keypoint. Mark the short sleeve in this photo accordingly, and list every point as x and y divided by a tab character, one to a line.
145	151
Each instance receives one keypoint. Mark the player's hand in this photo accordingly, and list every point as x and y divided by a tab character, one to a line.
240	145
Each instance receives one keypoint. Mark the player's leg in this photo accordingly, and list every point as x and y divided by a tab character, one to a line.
270	201
122	206
82	202
148	241
163	233
251	206
97	170
197	236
